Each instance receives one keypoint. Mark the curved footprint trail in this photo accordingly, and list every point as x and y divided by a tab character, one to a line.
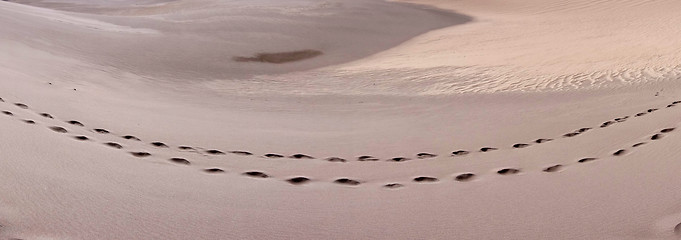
140	149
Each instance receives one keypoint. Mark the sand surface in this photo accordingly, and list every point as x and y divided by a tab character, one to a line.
519	119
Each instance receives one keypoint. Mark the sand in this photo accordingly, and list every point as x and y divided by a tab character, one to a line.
479	120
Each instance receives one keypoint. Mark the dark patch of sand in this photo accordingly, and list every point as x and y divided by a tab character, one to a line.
281	57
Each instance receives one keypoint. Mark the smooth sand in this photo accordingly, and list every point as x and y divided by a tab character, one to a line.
165	74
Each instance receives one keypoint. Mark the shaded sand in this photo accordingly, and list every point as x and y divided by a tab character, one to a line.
144	127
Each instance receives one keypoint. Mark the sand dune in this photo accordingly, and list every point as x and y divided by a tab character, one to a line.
520	119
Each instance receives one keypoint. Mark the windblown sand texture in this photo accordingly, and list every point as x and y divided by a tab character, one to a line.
340	119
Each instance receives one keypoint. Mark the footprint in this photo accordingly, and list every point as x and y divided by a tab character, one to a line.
140	154
256	174
460	153
114	145
244	153
159	144
29	121
622	119
399	159
77	123
652	110
180	161
487	149
425	179
129	137
520	145
572	134
273	155
666	130
583	160
8	113
619	152
393	185
81	138
298	180
656	137
640	114
581	130
213	170
215	152
58	129
47	115
670	105
543	140
425	155
335	159
464	177
606	124
554	168
677	229
638	144
508	171
102	131
346	181
21	105
185	148
301	156
366	158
